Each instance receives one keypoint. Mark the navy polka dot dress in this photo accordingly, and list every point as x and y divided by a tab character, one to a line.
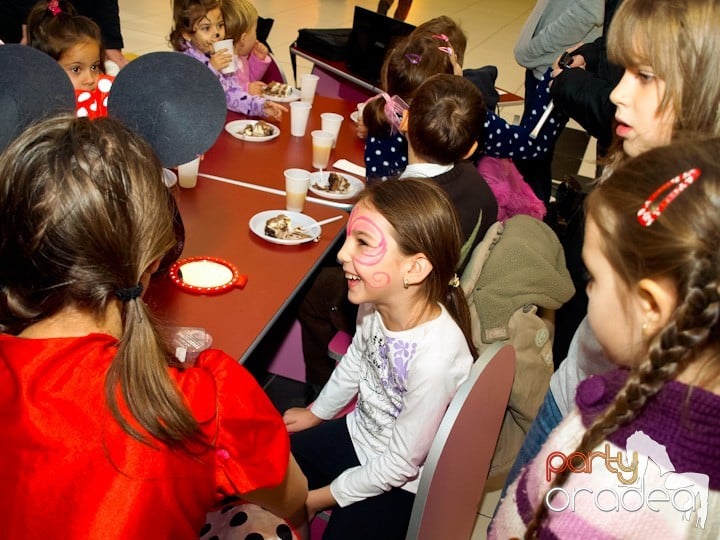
386	156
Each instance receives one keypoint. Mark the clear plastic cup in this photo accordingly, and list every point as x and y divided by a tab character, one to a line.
331	123
322	143
308	86
299	114
297	182
226	45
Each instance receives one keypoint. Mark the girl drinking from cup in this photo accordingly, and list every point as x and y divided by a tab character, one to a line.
399	258
198	24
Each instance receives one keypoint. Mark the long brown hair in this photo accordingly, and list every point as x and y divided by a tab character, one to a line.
405	68
84	212
424	220
683	245
681	42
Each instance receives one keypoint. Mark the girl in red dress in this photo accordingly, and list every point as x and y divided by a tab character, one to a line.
105	435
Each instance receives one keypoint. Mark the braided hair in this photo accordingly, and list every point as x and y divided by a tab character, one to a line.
682	245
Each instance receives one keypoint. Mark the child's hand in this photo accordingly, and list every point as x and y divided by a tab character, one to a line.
260	50
299	419
220	60
256	88
273	110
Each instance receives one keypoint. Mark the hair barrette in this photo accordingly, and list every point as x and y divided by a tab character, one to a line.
442	37
54	7
454	281
646	216
413	58
393	109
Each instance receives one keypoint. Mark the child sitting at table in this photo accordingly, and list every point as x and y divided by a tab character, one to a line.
399	258
105	434
197	25
75	42
251	57
427	51
438	149
443	127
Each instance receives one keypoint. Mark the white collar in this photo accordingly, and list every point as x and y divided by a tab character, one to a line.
425	170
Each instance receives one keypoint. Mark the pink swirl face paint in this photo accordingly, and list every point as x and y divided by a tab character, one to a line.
371	246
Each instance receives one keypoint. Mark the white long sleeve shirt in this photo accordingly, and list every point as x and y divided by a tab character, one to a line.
404	382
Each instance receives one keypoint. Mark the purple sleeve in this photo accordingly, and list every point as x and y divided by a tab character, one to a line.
237	99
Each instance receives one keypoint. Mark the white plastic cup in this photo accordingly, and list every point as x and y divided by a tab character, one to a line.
299	114
297	182
308	85
226	45
331	123
188	173
322	143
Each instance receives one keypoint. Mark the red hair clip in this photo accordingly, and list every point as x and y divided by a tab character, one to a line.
646	216
54	7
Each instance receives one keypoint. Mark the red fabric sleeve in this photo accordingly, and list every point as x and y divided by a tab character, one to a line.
252	447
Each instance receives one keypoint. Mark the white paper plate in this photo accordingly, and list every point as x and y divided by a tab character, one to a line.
356	185
257	225
235	128
354	116
294	96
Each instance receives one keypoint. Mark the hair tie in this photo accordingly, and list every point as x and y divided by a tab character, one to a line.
126	294
454	281
413	58
393	109
646	216
54	7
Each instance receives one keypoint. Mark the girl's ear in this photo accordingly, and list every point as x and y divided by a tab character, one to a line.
420	267
404	121
658	299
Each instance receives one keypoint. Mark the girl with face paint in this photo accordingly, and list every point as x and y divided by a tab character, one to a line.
411	351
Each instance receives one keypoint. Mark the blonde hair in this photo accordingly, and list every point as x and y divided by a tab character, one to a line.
240	16
681	42
84	214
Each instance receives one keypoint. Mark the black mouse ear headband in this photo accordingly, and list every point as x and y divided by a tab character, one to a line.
32	86
175	102
170	99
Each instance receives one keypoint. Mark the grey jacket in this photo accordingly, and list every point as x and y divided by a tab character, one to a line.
554	26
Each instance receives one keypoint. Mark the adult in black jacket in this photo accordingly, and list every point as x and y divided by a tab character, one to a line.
584	94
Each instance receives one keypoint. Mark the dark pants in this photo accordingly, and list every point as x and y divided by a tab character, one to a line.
325	451
325	310
536	172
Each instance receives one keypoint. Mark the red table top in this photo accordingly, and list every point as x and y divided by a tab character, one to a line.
216	216
263	163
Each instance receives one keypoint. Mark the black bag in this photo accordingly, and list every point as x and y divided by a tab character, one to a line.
328	43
